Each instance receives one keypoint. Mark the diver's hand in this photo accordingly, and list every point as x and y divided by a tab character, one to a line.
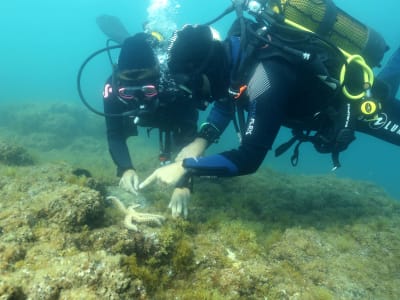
130	181
194	149
169	175
179	202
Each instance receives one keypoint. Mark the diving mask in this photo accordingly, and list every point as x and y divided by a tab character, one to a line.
137	92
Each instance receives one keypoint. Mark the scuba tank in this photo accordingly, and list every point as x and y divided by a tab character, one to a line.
359	46
362	46
324	18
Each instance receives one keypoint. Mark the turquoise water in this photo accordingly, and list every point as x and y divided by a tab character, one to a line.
44	43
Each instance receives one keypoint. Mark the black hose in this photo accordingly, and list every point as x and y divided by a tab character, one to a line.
87	60
82	97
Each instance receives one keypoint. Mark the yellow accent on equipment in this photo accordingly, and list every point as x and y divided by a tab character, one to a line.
369	107
368	76
355	40
325	19
158	36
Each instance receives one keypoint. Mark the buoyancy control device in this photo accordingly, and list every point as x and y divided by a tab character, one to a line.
357	44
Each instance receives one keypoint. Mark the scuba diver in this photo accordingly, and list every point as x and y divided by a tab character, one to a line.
281	75
138	94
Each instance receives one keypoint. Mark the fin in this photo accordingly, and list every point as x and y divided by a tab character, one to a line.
390	73
113	28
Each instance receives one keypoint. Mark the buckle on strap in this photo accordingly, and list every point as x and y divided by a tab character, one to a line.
237	93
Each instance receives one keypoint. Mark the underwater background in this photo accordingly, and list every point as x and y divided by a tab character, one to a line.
45	42
283	233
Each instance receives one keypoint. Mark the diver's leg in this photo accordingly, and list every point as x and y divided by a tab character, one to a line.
387	126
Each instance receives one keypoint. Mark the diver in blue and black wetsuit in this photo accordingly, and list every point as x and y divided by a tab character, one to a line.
279	90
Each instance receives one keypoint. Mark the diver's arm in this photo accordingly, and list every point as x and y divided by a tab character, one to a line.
244	160
116	136
218	119
119	154
267	108
268	105
220	115
385	127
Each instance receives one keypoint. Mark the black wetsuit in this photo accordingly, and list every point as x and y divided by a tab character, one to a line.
281	93
176	114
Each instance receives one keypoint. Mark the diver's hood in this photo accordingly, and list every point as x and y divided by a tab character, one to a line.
194	51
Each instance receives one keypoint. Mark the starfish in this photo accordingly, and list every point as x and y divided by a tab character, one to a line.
132	216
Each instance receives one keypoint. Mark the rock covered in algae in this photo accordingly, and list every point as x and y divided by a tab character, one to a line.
72	207
49	125
60	239
54	242
268	236
273	236
15	155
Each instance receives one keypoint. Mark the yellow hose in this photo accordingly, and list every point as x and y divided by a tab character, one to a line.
367	74
367	71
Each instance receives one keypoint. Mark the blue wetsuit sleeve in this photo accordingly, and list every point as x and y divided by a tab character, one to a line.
390	73
214	165
116	135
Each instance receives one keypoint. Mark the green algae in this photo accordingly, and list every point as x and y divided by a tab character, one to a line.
265	236
14	155
172	258
313	253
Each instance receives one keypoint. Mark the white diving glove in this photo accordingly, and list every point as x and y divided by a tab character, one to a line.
169	175
179	202
194	149
130	181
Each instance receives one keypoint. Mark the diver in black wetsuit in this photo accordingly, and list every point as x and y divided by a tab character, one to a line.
279	91
139	94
